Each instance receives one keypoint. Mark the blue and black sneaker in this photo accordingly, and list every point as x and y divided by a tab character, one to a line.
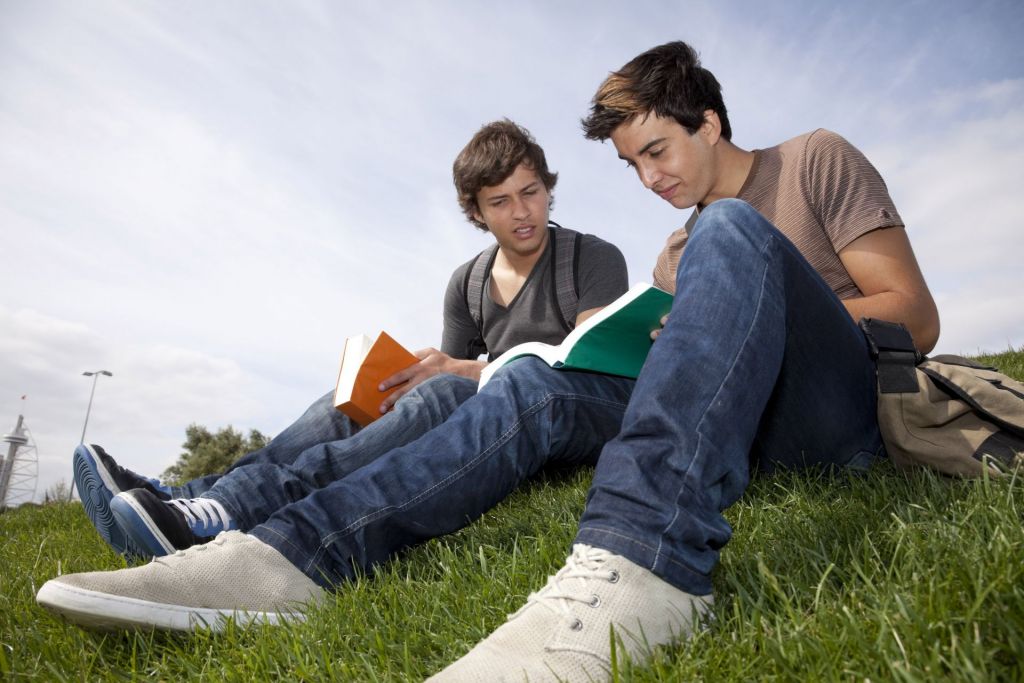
162	527
99	478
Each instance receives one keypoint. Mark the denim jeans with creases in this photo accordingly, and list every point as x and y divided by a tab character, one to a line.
321	423
321	448
527	416
759	366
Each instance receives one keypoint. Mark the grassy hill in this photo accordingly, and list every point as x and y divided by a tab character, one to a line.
883	576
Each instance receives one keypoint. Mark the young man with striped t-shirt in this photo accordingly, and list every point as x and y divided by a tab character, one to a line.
760	364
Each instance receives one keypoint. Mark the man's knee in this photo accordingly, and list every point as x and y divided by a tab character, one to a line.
523	377
731	219
442	388
729	233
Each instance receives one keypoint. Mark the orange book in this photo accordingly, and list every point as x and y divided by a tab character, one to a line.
364	364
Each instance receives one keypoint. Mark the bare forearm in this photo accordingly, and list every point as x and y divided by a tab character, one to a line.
918	314
465	368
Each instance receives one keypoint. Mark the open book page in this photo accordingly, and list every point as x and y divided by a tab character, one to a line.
351	359
615	340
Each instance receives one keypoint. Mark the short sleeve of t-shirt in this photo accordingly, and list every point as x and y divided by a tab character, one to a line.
603	277
846	190
459	329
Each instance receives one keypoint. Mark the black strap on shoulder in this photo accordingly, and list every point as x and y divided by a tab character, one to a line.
895	355
565	255
473	291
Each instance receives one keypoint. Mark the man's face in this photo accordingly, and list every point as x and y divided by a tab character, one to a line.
516	212
677	166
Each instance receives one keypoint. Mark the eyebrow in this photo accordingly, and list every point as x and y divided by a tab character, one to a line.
532	185
646	147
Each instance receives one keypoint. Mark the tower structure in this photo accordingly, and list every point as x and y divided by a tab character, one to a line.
18	467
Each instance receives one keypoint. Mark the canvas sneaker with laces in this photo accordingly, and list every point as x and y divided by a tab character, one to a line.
234	576
98	479
162	526
562	633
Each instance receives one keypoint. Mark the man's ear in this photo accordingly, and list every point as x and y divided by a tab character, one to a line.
712	126
478	217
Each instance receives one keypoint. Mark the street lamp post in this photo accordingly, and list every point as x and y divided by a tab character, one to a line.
95	376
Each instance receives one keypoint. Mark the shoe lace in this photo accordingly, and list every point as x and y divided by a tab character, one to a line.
204	512
171	559
569	584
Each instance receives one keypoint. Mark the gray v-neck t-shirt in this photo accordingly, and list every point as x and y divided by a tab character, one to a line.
532	315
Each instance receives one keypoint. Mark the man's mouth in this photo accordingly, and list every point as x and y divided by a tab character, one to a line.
667	193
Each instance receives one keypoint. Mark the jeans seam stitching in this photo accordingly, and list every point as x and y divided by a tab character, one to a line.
611	532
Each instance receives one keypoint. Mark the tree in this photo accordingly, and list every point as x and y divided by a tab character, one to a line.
58	493
211	453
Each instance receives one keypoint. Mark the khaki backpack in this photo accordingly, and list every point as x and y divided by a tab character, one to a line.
947	413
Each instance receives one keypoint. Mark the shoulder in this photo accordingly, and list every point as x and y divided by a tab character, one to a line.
826	161
823	145
820	142
592	245
456	290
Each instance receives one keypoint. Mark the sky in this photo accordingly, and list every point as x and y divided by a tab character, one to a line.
206	199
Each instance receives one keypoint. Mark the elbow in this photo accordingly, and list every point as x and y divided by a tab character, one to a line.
927	333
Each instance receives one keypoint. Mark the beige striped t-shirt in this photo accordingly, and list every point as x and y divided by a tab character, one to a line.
818	190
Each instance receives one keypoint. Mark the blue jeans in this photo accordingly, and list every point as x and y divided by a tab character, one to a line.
273	478
760	366
321	423
524	418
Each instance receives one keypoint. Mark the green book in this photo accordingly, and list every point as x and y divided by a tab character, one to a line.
613	341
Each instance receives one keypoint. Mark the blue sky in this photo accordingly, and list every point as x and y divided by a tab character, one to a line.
207	198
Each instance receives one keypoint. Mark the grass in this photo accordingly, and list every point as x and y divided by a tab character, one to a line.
882	576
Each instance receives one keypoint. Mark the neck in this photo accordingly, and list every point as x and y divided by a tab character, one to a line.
521	264
734	167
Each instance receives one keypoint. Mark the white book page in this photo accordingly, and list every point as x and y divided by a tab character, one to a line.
556	354
352	357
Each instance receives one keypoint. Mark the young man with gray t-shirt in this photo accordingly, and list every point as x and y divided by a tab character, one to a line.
505	188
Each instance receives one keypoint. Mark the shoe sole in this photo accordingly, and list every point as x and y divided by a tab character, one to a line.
140	528
106	612
96	488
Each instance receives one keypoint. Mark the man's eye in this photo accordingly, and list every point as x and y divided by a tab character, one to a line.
630	164
655	153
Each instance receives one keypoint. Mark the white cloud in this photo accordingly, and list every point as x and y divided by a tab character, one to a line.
956	186
141	412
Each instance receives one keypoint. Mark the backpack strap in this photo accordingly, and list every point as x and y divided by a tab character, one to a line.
473	292
565	263
565	257
893	350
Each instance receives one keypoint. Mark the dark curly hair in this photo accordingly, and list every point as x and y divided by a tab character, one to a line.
491	157
668	81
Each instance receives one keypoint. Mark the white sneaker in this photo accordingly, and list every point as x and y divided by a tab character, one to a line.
234	575
563	631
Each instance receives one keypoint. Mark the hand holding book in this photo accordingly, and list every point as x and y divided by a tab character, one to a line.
365	364
375	374
431	362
